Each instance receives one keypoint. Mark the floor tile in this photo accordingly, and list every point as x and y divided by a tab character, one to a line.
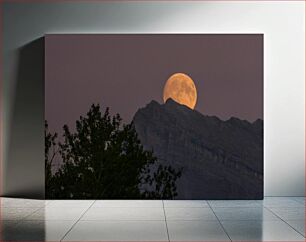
7	227
128	203
118	231
196	231
300	200
185	204
70	203
281	202
57	214
22	203
7	224
16	213
189	214
235	203
39	230
124	214
244	214
140	220
298	225
261	231
289	212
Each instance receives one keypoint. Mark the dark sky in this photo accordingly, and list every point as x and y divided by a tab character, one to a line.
126	72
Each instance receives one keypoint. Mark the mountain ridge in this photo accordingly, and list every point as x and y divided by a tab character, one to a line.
171	102
216	155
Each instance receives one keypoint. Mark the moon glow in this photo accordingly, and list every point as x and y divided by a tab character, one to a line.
181	88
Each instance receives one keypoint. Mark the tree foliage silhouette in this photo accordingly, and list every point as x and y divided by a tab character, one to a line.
50	152
104	158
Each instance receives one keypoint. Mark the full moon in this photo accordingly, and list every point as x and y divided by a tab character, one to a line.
181	88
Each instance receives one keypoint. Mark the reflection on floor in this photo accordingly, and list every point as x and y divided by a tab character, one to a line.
274	219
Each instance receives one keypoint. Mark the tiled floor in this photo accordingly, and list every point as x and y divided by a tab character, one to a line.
274	219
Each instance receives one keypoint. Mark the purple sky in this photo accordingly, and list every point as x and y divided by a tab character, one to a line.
126	72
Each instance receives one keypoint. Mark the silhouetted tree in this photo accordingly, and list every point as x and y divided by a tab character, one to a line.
104	158
50	152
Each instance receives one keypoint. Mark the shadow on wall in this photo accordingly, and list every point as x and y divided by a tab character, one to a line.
25	155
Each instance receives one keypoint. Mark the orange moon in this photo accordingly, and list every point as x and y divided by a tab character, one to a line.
181	88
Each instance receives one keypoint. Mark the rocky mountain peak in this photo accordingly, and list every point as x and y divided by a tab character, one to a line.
215	155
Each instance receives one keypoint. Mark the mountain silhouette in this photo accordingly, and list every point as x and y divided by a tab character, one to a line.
219	159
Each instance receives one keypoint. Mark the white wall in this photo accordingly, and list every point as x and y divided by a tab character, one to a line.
282	23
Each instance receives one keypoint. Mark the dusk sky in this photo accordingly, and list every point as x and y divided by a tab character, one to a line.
125	72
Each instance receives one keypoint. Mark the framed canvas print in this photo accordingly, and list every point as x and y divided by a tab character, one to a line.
154	116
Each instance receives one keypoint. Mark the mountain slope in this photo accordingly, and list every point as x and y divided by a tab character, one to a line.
220	159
